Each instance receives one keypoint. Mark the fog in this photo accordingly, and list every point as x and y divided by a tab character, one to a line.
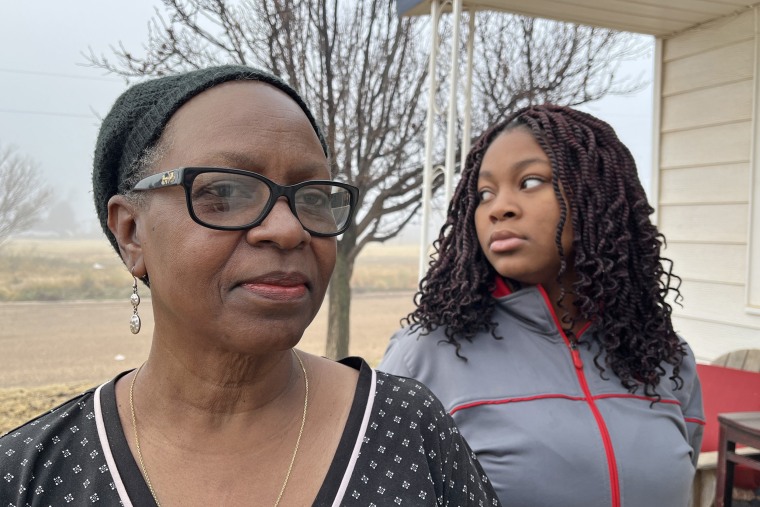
51	101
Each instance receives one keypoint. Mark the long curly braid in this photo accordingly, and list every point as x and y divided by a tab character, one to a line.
622	282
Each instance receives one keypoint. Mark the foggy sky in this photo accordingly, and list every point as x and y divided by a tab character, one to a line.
51	102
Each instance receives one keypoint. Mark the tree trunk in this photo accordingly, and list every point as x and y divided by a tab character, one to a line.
339	293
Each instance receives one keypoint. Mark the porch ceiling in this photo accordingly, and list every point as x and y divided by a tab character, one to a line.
661	18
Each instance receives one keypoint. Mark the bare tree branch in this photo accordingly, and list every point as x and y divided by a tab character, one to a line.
23	193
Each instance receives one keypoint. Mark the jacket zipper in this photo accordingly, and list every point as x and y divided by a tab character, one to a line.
603	431
606	440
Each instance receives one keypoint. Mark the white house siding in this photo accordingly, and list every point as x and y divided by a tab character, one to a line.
705	179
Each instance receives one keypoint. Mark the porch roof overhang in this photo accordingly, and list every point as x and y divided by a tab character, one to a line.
661	18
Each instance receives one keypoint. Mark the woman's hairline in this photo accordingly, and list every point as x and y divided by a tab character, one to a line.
150	157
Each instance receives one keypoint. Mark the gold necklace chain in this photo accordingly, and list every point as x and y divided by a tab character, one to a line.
292	459
137	440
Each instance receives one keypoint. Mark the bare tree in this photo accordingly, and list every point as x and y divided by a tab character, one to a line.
542	61
23	193
361	69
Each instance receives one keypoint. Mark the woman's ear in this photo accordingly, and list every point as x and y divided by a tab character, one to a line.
122	221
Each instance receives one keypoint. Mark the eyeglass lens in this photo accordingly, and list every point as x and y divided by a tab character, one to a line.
235	200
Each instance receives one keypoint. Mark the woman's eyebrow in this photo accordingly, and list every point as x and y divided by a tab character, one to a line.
238	160
234	159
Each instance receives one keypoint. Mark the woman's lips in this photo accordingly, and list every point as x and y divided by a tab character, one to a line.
278	286
275	291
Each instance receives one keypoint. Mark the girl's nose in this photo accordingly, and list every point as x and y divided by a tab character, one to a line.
505	206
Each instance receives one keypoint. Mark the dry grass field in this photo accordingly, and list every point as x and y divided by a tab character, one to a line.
53	350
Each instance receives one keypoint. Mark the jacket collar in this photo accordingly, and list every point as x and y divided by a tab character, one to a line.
531	306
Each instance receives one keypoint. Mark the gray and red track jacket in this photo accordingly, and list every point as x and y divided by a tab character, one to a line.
547	427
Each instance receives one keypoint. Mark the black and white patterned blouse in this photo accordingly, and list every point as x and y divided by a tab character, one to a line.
399	448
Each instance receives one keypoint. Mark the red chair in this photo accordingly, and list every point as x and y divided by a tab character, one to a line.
726	390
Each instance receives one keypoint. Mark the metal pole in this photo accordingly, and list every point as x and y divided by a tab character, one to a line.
451	127
427	170
467	123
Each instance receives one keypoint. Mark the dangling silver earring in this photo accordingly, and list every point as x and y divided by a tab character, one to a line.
134	322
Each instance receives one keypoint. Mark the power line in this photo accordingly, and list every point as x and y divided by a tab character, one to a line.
48	113
56	74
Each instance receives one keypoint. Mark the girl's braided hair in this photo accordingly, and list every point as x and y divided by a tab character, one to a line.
622	281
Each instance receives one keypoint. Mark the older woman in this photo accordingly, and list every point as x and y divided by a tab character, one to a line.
214	187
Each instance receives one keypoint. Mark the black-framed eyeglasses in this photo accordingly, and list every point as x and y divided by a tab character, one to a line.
233	199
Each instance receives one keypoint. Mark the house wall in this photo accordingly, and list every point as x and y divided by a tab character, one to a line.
707	180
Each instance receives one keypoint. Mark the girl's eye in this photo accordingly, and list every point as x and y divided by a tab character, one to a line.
485	195
531	182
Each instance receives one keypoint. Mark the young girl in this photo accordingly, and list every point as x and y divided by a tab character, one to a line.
543	325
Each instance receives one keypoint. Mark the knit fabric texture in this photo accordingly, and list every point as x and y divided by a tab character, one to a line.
138	117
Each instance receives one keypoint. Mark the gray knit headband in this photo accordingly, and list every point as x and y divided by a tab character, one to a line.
138	117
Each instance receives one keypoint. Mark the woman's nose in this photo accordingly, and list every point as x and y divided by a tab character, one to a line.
280	228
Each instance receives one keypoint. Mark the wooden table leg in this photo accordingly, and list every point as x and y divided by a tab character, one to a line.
725	473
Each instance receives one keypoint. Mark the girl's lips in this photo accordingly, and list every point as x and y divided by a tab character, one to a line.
506	245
